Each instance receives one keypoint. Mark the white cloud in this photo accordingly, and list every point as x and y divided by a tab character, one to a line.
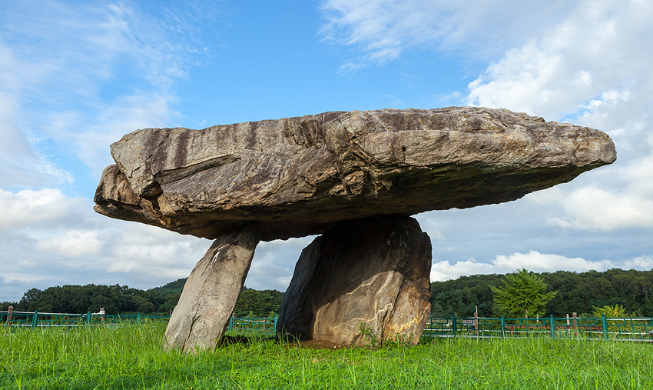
594	208
148	254
274	263
109	123
48	238
592	69
383	29
642	262
58	62
626	205
33	208
20	163
532	261
74	243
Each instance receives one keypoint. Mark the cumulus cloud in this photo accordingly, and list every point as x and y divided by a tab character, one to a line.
48	238
74	243
33	208
532	261
274	263
623	200
153	254
594	208
592	69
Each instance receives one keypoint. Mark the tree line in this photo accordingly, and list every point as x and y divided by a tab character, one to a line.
574	292
123	299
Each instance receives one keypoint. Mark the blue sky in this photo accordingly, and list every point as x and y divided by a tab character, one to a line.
77	76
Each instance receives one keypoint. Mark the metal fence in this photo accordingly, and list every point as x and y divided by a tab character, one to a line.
595	327
261	325
28	319
35	319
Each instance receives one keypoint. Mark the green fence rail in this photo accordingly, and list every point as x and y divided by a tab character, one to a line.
263	325
35	319
595	327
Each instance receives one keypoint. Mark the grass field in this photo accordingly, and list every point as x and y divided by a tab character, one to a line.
131	357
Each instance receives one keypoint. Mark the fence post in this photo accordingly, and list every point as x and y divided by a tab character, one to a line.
503	326
88	318
574	322
102	318
553	327
35	318
605	325
138	317
454	325
476	323
9	316
276	317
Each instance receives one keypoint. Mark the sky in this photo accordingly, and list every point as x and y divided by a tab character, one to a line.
75	76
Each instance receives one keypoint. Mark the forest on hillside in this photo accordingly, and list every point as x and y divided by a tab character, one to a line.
122	299
576	292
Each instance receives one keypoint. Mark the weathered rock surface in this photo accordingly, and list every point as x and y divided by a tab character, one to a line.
210	293
300	176
373	271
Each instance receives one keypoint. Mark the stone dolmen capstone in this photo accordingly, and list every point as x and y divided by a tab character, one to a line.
294	177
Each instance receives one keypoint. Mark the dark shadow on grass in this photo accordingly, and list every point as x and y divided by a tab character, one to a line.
242	339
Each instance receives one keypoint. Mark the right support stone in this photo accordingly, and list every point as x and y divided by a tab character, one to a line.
365	276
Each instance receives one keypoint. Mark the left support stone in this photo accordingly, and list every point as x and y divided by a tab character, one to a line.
210	293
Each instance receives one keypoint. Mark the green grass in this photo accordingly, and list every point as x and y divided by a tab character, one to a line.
131	356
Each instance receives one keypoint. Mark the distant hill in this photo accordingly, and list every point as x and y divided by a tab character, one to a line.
172	287
250	302
120	299
165	298
577	292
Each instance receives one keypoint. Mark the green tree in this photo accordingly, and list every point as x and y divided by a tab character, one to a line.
142	304
522	293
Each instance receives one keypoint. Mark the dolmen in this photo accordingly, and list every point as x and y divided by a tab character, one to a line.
353	178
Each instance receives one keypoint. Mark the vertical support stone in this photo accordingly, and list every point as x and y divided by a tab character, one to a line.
370	274
210	293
